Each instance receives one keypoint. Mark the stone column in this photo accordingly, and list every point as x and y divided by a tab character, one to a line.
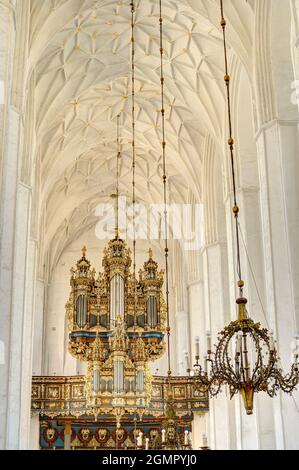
216	316
278	165
38	329
197	317
295	46
8	170
175	355
17	258
182	343
21	317
199	428
277	146
34	433
181	309
27	349
11	271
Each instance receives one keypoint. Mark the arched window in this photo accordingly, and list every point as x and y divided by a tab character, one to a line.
117	297
152	311
81	310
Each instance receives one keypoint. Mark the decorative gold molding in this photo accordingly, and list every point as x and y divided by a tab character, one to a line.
66	397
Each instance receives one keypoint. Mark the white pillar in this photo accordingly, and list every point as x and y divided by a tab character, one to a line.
197	317
27	348
182	342
216	311
17	259
278	166
175	355
20	362
10	278
9	128
38	328
34	433
181	308
199	428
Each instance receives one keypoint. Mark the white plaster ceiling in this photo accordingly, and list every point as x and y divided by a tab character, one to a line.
80	50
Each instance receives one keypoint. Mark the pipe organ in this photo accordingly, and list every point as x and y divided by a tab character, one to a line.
81	310
114	332
117	298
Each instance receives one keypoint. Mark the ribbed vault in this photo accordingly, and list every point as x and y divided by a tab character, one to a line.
80	54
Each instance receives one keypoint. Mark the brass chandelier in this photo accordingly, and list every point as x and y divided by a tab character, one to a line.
245	357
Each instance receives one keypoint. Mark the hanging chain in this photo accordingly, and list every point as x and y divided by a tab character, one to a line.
132	4
165	186
133	155
117	176
231	148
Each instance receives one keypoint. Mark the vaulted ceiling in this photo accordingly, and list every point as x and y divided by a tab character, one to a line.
80	53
